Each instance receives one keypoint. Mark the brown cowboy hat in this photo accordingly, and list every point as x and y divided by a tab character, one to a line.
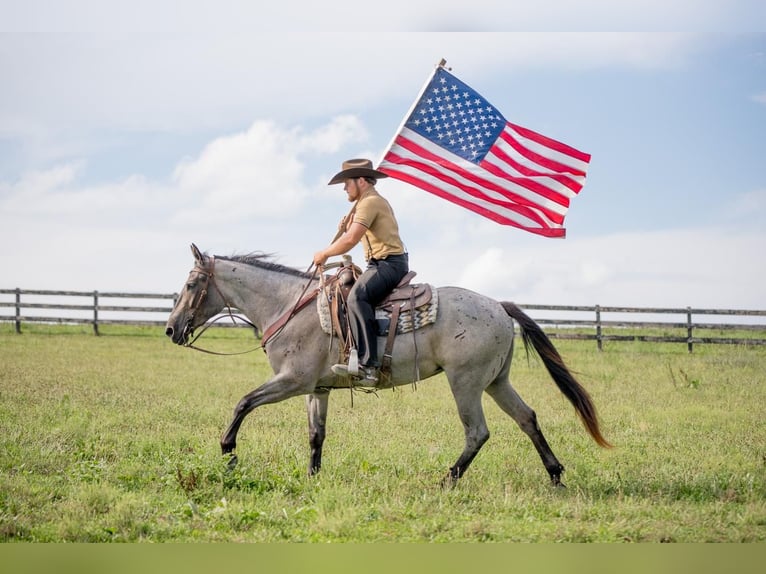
356	168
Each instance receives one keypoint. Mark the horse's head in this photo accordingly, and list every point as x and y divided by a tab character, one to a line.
199	300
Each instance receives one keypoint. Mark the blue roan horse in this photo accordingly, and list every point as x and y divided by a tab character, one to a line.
471	342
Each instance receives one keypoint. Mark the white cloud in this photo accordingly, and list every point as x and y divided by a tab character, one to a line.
35	187
257	174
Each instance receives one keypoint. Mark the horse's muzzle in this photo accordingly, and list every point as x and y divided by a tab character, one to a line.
179	337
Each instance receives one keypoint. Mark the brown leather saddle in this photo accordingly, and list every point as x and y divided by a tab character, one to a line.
406	297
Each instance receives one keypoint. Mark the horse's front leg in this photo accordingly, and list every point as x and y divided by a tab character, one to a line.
278	389
316	407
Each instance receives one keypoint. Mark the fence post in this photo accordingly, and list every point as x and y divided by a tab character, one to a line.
598	328
689	343
18	311
95	313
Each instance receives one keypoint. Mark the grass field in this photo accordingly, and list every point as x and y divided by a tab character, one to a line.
115	438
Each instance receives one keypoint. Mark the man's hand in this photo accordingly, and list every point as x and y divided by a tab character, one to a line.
319	258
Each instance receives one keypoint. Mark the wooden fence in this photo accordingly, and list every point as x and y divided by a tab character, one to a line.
599	323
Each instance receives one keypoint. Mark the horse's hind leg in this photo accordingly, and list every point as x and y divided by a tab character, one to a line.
316	407
475	425
508	399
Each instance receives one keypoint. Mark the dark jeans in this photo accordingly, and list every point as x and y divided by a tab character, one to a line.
378	280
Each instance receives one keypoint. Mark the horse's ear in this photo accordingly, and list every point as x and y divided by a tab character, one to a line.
197	254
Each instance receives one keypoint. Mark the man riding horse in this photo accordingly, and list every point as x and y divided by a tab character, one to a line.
371	219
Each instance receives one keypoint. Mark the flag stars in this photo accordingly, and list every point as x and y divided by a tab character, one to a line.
455	117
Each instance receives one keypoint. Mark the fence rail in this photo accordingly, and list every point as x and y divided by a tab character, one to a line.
598	323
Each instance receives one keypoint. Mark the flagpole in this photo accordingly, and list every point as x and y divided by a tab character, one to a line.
441	64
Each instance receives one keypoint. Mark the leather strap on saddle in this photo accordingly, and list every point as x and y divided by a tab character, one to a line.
405	297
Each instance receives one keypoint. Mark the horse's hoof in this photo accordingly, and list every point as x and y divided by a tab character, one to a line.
449	482
557	484
232	463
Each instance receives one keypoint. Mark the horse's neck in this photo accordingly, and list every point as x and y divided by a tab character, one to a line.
262	295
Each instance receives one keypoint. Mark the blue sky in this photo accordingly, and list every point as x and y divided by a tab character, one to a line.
128	131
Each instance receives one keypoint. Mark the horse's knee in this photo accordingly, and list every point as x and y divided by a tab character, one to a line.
477	437
242	408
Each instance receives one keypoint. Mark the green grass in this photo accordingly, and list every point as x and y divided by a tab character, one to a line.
115	438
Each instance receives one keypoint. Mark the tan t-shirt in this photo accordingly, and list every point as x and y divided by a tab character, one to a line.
382	236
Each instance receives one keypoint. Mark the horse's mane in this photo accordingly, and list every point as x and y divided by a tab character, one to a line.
265	261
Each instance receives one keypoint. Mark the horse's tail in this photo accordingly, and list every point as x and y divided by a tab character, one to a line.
567	384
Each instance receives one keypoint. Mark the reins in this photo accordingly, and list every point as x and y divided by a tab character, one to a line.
276	328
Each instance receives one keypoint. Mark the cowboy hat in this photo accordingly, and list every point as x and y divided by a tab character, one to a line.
356	168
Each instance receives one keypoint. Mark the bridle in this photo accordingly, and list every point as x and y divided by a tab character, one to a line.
199	298
271	332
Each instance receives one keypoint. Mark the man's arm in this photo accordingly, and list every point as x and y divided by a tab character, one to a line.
343	244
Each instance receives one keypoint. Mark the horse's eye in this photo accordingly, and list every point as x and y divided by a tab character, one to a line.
191	286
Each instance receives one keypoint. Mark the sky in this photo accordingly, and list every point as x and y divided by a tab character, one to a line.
129	130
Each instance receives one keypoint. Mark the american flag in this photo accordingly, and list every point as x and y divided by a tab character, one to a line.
458	146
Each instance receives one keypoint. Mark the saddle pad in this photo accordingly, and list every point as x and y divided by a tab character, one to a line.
424	315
